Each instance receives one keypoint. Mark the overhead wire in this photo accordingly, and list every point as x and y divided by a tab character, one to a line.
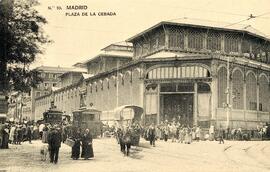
251	16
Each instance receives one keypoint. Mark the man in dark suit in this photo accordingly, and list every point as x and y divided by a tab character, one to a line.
152	134
54	141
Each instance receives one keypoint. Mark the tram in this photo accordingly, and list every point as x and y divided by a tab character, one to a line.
85	118
53	116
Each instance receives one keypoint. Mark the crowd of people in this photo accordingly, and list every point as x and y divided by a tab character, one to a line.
175	132
51	135
81	142
55	134
16	133
172	130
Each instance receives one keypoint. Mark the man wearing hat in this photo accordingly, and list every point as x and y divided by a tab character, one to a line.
54	141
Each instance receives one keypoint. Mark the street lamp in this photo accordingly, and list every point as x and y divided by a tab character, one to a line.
228	93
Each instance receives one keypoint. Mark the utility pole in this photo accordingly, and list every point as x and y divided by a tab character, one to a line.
228	94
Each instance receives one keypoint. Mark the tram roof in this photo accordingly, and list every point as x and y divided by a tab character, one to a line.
206	24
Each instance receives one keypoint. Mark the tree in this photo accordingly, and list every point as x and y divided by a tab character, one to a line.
21	37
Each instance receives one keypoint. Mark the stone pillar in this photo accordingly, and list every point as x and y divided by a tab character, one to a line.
214	98
158	103
214	93
258	97
195	100
245	99
230	108
143	98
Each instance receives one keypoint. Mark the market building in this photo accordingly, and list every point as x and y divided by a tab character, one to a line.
71	93
197	72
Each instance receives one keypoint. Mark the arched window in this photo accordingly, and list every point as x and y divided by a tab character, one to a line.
264	94
222	86
237	90
251	93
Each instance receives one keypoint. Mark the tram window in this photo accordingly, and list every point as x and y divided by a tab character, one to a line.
92	117
89	117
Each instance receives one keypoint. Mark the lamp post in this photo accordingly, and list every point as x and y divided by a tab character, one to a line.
228	94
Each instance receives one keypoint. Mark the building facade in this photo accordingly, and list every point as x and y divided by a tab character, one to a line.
198	73
51	77
72	91
19	107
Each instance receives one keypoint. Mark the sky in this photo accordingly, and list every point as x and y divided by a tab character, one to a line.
78	38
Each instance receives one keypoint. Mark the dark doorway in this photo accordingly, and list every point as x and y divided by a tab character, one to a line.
177	107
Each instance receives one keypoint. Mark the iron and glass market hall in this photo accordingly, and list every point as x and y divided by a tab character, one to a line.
185	68
196	72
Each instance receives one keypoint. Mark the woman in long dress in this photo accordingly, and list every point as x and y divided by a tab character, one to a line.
87	148
12	133
75	152
188	135
45	134
5	137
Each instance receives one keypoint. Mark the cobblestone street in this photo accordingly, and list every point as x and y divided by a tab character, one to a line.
198	156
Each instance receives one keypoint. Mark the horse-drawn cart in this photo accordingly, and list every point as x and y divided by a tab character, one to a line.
129	116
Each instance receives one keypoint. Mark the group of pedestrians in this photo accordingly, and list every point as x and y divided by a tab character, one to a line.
54	135
19	133
174	131
15	133
84	140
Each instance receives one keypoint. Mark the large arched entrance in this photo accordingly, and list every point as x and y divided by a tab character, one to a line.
178	94
177	102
